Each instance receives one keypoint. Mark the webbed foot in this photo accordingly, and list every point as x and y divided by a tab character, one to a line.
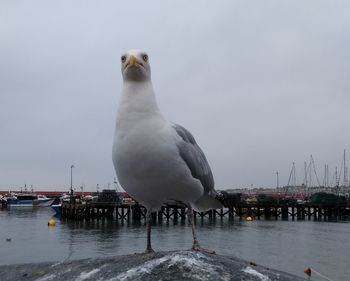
198	248
149	250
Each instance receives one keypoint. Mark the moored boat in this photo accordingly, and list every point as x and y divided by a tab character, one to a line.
29	200
57	204
57	208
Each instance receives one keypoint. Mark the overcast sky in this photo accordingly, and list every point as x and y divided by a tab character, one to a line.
260	84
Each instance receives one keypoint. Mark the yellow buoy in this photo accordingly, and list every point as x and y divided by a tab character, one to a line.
249	219
51	223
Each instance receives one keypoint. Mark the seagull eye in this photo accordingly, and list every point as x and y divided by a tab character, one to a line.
123	59
145	57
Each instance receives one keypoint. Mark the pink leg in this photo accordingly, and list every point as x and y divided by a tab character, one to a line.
148	223
195	246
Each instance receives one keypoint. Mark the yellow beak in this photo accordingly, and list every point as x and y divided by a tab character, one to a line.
133	60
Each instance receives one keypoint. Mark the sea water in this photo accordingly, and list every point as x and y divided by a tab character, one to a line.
289	246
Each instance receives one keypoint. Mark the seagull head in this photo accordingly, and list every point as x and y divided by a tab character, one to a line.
135	66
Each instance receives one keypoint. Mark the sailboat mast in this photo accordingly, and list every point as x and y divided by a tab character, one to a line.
305	171
310	179
294	176
336	176
345	173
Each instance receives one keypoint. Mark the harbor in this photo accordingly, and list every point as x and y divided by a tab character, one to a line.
250	225
174	141
269	242
110	204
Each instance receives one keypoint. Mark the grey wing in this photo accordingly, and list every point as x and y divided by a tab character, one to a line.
195	159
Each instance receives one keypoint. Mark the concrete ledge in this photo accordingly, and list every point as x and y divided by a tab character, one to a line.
166	266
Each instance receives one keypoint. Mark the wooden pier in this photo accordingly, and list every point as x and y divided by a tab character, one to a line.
135	212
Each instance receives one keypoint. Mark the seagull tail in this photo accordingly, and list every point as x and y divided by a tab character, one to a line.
206	202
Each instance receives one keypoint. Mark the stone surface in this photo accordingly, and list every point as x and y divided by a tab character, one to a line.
165	266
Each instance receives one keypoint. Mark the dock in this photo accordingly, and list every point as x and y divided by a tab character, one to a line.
136	212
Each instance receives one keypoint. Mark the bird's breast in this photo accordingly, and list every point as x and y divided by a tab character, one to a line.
149	166
145	150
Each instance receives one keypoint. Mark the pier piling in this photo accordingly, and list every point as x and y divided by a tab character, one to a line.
136	212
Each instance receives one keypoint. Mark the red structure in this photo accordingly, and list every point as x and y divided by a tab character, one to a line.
60	193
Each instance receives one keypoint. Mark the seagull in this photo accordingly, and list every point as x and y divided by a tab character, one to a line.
156	160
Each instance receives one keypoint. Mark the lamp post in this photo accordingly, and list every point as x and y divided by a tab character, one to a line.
277	181
71	180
